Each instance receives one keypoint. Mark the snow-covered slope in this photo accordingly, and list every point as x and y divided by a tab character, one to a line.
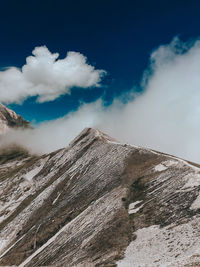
9	119
99	203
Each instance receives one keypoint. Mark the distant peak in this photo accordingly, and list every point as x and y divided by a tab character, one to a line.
9	119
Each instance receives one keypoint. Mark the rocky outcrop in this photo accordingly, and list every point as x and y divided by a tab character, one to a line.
99	203
9	119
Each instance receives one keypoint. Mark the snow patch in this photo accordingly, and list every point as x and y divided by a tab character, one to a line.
56	198
160	167
132	209
193	180
29	175
196	204
164	165
7	250
169	246
3	244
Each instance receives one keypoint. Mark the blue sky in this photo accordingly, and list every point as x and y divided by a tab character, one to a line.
116	36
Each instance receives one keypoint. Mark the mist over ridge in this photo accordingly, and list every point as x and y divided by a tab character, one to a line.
165	117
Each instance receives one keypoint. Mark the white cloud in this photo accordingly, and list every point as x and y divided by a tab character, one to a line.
46	76
55	134
166	117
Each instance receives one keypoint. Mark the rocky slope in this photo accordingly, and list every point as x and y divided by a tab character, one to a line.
98	203
9	119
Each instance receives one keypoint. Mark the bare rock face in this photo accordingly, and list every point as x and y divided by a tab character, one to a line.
99	203
9	119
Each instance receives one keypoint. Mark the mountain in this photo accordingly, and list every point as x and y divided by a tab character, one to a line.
9	119
99	203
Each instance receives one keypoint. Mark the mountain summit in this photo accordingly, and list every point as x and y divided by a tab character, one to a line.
9	119
99	203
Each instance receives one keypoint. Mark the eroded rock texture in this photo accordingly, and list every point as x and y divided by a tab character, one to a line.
99	203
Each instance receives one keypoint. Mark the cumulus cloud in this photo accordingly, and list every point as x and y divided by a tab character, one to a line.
165	117
47	77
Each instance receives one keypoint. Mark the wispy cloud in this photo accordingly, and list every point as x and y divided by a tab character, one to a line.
47	77
166	116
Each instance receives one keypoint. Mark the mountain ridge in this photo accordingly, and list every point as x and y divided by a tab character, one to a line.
9	119
94	202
